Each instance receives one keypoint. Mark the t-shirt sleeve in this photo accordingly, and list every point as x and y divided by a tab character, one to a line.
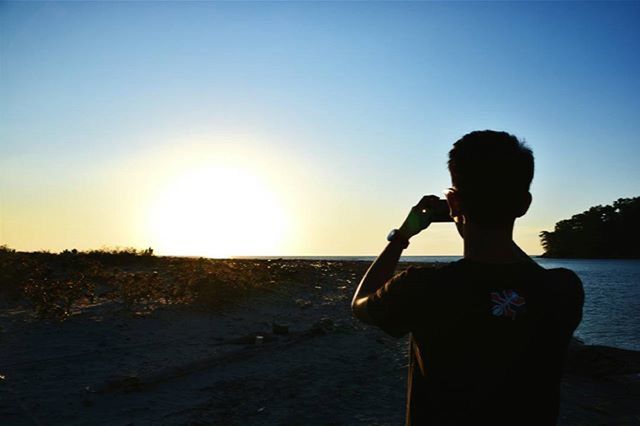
390	307
568	299
573	301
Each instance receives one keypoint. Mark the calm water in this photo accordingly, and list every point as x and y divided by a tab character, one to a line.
611	314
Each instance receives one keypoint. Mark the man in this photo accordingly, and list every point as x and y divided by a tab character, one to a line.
489	332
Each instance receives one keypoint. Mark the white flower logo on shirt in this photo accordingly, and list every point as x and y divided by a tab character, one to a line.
506	303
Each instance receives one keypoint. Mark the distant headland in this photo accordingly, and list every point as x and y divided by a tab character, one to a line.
602	232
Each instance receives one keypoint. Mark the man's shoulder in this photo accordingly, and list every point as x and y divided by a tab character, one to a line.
426	269
421	273
567	295
557	280
429	278
564	274
565	281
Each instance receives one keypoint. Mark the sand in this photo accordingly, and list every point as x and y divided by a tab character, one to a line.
184	365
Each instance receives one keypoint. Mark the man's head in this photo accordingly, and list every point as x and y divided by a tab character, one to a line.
491	173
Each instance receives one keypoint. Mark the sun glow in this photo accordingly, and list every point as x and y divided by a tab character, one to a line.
217	212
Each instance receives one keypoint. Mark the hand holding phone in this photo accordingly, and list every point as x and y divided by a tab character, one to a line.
440	212
429	209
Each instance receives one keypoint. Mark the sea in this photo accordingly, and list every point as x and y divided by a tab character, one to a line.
611	313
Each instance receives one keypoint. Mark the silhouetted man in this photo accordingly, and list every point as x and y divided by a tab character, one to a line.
489	332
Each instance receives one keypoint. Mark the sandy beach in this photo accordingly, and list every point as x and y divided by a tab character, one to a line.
287	353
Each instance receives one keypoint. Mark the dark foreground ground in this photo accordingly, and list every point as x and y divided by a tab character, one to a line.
111	360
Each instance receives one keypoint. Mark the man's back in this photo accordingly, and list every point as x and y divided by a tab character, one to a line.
488	340
490	332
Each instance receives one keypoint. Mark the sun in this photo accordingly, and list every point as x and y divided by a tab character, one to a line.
217	212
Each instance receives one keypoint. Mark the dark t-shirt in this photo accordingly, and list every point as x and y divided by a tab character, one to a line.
487	343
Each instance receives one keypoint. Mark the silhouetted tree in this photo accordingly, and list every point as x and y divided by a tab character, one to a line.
600	232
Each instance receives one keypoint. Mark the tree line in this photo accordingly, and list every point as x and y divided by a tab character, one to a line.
611	231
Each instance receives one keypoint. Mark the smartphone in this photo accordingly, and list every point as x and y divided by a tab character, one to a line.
440	213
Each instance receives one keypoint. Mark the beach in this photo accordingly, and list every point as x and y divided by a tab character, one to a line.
282	348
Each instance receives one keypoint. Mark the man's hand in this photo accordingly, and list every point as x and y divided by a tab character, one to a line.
419	217
383	267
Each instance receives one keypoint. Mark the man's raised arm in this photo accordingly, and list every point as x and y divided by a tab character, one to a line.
382	269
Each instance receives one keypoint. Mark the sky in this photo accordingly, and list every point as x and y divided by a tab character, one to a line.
300	128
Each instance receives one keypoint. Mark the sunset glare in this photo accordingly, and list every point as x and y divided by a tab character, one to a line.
217	212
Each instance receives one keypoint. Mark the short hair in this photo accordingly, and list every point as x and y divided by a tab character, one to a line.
491	172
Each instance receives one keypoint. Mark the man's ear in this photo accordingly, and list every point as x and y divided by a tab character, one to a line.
455	209
525	203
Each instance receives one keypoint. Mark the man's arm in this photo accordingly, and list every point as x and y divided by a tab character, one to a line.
385	264
380	271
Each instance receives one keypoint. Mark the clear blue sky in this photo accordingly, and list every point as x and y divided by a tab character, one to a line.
347	110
